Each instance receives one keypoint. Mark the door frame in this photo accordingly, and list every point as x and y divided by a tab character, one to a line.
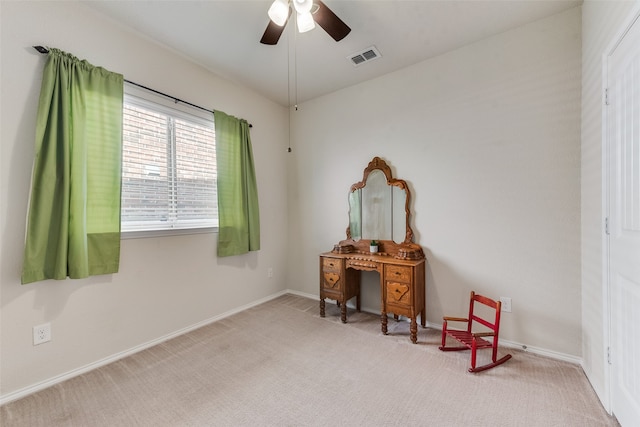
621	32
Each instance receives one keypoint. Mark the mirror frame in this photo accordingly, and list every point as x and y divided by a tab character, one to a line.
405	250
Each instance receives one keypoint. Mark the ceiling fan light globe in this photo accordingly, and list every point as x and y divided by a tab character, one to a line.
302	6
305	22
279	12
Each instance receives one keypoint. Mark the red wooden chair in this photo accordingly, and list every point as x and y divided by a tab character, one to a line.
475	340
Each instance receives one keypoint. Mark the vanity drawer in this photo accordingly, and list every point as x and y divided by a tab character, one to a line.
398	272
398	293
331	281
331	264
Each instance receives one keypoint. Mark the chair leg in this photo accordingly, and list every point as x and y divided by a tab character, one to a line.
473	355
494	354
444	334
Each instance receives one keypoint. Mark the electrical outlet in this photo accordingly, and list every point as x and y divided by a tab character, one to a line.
506	304
41	333
270	272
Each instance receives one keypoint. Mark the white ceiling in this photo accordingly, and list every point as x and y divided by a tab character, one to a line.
223	36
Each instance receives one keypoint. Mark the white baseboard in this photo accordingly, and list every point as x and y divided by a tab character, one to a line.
18	394
542	352
303	294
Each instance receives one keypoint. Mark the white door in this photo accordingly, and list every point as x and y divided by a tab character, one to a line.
623	121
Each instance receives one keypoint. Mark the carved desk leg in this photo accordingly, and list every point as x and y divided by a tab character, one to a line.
383	321
321	307
414	330
343	312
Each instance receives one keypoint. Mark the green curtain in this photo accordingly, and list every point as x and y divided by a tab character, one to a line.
73	225
238	213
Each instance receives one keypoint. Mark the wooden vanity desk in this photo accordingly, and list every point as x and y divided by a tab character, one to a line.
401	285
374	202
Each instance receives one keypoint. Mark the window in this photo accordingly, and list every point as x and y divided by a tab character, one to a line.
168	168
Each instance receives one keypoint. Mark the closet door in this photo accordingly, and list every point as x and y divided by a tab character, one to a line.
623	122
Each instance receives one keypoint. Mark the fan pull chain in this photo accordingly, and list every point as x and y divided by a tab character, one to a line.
289	88
295	66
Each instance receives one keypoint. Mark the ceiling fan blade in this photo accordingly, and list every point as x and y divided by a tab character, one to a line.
273	32
330	22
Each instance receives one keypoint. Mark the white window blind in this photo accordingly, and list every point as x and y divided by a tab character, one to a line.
169	168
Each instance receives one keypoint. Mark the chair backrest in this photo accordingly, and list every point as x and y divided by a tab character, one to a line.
491	323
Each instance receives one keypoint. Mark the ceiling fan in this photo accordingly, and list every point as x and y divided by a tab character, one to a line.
308	13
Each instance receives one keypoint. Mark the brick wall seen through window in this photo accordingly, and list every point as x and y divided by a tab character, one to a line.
168	169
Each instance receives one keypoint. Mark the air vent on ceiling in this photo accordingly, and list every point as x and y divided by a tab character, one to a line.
369	54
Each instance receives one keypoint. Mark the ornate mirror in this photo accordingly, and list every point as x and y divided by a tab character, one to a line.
379	210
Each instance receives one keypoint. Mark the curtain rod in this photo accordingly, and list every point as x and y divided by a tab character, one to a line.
44	50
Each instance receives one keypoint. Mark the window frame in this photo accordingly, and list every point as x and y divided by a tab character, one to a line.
146	99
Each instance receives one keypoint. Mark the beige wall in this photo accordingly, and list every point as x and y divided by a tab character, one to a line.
601	23
488	138
164	284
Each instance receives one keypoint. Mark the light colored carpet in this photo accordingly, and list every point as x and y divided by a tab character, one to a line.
280	364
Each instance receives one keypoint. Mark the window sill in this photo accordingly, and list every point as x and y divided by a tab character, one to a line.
145	234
